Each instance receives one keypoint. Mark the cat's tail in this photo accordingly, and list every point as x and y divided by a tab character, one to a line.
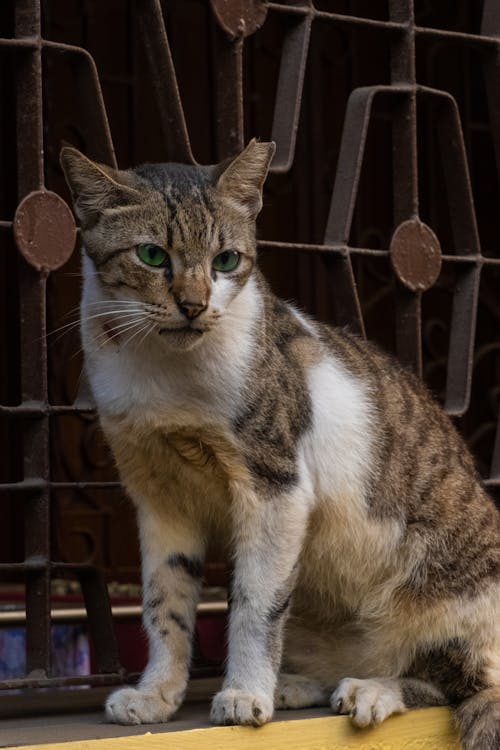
478	720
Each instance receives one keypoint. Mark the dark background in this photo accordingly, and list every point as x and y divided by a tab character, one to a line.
98	526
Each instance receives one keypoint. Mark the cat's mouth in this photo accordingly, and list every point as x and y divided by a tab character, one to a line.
181	330
182	338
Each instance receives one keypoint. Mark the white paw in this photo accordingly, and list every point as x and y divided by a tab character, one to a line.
295	691
135	706
367	702
240	707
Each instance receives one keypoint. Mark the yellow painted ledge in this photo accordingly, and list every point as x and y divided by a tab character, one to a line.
425	729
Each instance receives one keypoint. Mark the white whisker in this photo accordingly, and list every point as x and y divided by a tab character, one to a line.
121	325
76	323
151	327
127	327
117	302
127	342
106	302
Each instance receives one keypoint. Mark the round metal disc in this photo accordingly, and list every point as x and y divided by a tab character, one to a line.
44	230
415	255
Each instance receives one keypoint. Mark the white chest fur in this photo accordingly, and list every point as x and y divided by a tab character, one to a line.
150	384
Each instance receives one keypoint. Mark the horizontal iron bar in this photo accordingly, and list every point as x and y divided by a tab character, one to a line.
27	566
95	680
327	248
347	249
22	683
37	485
340	18
42	409
303	10
119	612
492	482
391	26
457	36
38	563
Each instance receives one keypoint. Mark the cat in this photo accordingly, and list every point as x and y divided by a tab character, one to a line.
366	552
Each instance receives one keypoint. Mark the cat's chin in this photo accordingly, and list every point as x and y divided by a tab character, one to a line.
181	339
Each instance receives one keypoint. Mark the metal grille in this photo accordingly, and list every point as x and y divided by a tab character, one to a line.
337	274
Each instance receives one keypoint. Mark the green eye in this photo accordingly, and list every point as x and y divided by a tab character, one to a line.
153	255
226	261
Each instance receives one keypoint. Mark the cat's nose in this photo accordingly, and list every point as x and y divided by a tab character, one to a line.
191	309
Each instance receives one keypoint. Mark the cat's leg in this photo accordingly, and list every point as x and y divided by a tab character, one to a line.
269	535
297	691
172	564
369	702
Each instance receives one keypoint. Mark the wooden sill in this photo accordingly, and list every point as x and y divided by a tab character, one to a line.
425	729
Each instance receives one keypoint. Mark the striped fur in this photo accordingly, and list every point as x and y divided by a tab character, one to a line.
366	552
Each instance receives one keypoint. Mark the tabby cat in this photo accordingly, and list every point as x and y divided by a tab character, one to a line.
366	552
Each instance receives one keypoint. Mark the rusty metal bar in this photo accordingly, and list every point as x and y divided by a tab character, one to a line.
100	621
486	41
495	461
490	26
405	177
119	612
33	347
471	260
466	239
35	407
155	40
24	683
228	94
289	94
31	485
94	120
350	161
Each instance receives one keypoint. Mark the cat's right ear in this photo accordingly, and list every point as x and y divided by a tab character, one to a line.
94	187
242	179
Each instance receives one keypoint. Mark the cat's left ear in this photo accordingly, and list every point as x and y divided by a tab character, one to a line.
95	187
243	178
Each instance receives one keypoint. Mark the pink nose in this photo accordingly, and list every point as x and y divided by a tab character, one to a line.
191	309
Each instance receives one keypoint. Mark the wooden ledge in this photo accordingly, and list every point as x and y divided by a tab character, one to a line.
425	729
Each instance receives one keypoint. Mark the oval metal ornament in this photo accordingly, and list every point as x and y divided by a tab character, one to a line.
44	230
415	255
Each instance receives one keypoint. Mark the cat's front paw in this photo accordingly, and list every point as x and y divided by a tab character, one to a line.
135	706
368	702
240	707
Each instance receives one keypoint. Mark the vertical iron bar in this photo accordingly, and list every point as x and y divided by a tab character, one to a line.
100	621
495	460
289	94
490	26
173	123
33	349
405	176
228	85
345	190
466	241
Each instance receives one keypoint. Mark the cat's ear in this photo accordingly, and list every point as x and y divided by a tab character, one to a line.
243	178
94	187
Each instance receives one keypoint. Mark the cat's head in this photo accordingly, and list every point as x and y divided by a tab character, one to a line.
178	240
